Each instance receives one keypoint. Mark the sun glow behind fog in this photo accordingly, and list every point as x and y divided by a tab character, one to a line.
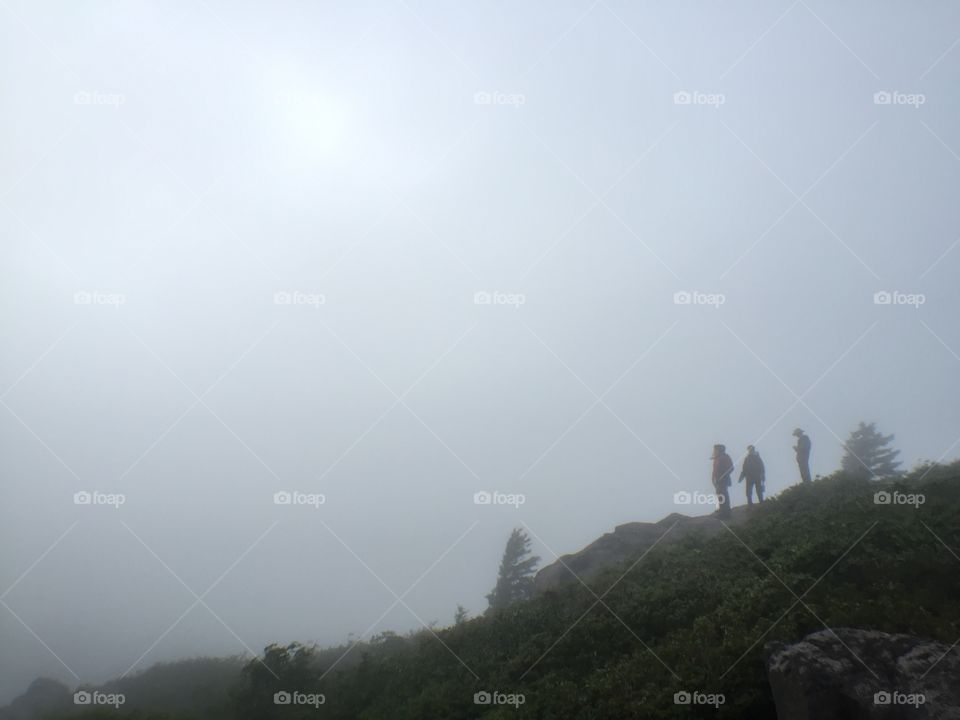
357	117
307	125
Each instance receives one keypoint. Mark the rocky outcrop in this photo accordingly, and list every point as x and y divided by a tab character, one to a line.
849	674
628	542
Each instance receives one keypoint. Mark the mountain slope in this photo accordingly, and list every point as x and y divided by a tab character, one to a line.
692	616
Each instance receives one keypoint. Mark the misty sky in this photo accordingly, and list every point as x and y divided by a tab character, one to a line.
242	247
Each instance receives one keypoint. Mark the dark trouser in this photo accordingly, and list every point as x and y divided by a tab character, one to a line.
751	484
723	492
804	464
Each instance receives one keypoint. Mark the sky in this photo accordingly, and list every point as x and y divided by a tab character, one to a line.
374	258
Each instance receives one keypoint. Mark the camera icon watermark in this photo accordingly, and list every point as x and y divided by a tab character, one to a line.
284	697
298	297
484	497
96	697
685	497
685	697
295	497
97	297
484	297
884	497
496	697
95	97
695	297
698	97
95	497
895	697
895	297
485	97
895	97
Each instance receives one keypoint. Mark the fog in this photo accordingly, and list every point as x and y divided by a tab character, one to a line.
388	255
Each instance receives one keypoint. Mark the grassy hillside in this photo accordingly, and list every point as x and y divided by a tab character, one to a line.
692	616
192	688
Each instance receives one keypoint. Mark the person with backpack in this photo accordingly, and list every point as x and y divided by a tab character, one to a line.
802	448
722	471
755	473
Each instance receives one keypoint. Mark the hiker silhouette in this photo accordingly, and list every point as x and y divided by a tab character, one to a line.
755	474
722	470
802	449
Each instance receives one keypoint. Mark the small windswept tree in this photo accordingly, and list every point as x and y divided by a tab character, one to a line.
515	579
868	453
460	617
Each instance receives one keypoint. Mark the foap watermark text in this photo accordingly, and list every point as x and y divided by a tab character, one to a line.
895	697
284	697
695	498
298	297
498	698
295	497
698	97
483	497
895	497
483	297
98	297
95	497
96	697
95	97
895	97
695	297
895	297
696	697
484	97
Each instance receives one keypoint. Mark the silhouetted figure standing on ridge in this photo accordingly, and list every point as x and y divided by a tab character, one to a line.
803	454
722	470
755	473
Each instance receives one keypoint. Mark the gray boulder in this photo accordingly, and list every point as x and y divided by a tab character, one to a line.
849	674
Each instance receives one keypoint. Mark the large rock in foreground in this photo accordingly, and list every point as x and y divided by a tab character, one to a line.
629	542
849	674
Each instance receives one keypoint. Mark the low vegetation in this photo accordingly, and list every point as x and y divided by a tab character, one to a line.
844	551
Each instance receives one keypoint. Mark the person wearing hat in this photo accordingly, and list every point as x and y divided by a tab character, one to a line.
802	448
722	470
755	474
